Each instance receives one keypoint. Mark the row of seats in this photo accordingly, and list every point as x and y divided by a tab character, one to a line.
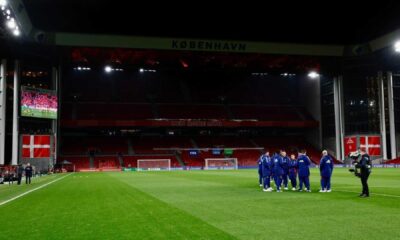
99	145
123	111
151	147
246	158
110	162
199	87
393	161
78	145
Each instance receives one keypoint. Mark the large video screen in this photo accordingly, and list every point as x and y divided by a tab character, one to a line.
38	103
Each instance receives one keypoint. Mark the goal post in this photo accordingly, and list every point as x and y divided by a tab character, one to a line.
221	163
153	164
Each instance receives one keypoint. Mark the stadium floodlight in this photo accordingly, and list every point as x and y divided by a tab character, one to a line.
397	46
108	69
11	23
8	12
372	103
313	75
3	3
141	70
16	32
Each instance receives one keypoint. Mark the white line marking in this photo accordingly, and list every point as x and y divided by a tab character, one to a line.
32	190
378	194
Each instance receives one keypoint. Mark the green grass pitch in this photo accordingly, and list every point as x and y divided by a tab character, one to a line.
199	205
29	112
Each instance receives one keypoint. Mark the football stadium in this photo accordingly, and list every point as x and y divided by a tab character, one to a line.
121	120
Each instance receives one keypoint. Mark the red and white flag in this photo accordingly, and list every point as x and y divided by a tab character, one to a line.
36	146
372	144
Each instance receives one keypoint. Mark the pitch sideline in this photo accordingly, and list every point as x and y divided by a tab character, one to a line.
32	190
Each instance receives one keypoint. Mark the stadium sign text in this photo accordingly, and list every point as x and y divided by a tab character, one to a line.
208	45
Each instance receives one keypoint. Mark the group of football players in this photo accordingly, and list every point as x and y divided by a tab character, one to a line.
282	168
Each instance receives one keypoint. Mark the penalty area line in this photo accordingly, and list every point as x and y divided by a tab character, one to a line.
32	190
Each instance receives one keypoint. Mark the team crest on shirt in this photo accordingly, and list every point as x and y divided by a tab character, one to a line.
328	161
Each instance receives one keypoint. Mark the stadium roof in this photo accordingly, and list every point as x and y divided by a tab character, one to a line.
321	23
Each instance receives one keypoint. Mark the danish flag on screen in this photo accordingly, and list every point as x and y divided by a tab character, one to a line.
36	146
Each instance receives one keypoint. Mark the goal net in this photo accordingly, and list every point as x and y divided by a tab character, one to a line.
153	164
221	163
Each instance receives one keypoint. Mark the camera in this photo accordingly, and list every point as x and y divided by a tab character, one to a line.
355	156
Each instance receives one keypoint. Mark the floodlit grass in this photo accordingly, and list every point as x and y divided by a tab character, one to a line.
31	112
199	205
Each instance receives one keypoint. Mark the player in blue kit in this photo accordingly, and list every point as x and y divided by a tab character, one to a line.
266	171
260	167
293	171
303	163
277	170
285	167
326	168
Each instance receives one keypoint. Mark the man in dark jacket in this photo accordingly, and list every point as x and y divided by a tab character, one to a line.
293	171
285	167
260	167
277	170
20	171
303	166
364	165
266	171
28	173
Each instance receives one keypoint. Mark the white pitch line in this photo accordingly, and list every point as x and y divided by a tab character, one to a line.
378	194
32	190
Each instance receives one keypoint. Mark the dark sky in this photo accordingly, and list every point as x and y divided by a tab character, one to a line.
321	22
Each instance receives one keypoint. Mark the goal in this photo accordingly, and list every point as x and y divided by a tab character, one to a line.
153	164
221	163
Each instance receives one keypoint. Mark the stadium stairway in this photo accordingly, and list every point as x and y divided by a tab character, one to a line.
130	147
121	160
91	162
193	142
254	143
179	158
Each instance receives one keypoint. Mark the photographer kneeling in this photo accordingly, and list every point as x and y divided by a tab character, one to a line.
364	164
